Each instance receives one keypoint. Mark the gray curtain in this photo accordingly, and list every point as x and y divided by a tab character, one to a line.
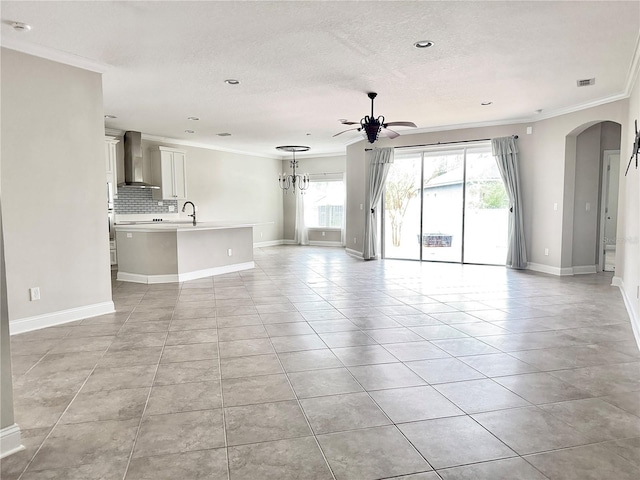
300	230
381	160
505	150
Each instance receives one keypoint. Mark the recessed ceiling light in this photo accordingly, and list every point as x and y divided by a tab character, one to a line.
193	118
539	110
423	44
21	27
223	134
484	104
110	116
308	134
232	81
189	131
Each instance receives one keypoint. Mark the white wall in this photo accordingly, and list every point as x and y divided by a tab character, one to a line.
628	247
53	189
6	383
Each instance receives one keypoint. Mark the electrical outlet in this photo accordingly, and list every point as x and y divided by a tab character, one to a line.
172	208
229	252
323	234
361	207
34	294
546	252
129	235
587	207
160	203
355	240
529	130
555	207
260	234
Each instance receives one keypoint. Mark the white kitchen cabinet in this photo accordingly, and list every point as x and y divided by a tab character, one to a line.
169	172
113	252
111	169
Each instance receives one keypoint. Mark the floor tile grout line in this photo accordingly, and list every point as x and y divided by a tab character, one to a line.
333	476
456	357
391	423
222	407
155	374
70	403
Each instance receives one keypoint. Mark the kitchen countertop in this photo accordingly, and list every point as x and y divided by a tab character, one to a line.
182	226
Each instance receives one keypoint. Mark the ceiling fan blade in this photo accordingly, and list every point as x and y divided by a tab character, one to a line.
401	124
350	123
340	133
390	133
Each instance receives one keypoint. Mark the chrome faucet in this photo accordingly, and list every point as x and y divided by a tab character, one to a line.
194	211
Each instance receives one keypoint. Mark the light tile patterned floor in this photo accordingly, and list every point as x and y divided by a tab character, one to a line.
315	365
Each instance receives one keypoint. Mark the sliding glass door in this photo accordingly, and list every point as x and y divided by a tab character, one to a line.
442	201
486	210
446	205
402	208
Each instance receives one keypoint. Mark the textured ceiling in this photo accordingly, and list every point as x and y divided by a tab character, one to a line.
304	65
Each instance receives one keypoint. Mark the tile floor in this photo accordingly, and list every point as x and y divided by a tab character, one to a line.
315	365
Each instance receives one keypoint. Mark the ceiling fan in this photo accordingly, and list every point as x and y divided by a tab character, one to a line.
374	126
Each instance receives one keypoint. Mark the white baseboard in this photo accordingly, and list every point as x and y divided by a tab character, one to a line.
562	271
289	242
354	253
584	269
184	277
37	322
539	267
269	243
10	440
633	315
320	243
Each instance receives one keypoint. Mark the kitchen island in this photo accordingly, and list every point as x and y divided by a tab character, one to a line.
166	252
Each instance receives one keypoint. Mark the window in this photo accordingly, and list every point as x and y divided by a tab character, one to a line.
324	204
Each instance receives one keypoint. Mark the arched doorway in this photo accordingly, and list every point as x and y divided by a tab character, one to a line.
591	192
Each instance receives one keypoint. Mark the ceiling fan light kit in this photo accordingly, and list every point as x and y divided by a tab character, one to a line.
371	126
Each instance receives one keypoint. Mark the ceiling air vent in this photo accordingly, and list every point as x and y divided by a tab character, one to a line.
587	82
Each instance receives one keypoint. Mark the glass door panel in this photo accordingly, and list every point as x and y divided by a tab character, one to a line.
486	211
402	208
442	198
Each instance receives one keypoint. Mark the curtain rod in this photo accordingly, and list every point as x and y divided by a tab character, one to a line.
328	173
442	143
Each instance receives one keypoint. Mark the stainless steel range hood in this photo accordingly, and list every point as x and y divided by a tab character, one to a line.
133	176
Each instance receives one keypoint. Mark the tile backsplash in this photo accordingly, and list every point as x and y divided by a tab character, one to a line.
132	200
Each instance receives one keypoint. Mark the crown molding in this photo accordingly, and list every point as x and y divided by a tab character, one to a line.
54	55
187	143
114	132
634	68
511	121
